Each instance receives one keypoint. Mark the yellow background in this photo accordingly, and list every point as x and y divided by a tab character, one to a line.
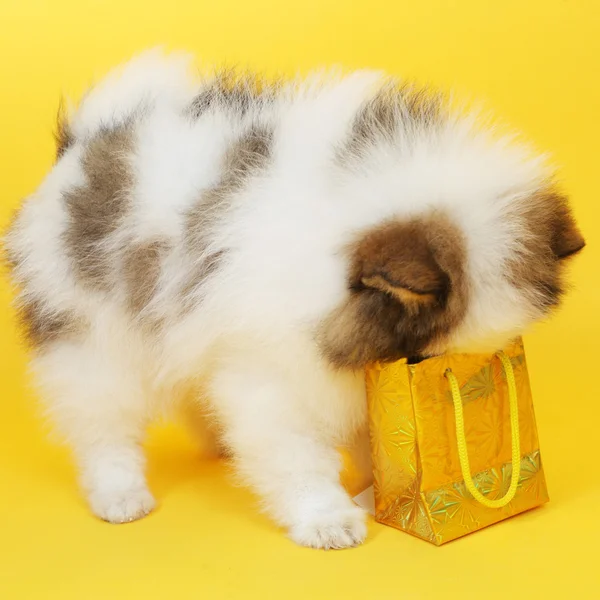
536	64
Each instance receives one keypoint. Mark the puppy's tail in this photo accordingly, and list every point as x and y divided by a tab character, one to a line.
146	81
63	135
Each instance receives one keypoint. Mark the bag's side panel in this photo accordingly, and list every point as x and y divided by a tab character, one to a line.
396	467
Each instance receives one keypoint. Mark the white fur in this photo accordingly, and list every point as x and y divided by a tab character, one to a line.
149	80
249	346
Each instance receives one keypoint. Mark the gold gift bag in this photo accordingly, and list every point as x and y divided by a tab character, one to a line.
438	473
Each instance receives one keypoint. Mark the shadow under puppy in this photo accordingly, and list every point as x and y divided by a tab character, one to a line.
256	245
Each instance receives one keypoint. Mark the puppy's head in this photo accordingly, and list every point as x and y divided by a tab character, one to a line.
427	285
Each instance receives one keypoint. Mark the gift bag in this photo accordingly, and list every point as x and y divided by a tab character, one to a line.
454	443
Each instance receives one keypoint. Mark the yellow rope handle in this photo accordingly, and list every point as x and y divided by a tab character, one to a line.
462	442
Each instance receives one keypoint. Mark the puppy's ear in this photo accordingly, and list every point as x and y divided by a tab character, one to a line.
566	238
398	259
408	290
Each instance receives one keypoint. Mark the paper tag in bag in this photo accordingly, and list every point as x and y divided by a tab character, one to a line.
366	500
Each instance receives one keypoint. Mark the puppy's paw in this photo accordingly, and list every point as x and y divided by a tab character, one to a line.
122	506
341	528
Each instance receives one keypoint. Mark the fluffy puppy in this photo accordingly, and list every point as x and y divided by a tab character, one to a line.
253	246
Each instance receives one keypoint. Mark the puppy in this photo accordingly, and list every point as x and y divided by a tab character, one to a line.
252	246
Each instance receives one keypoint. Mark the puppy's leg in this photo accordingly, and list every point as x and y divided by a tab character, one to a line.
98	404
289	461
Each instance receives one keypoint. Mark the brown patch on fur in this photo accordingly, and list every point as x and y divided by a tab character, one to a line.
408	290
247	157
231	90
551	235
63	136
566	237
43	326
201	273
393	107
97	207
141	271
